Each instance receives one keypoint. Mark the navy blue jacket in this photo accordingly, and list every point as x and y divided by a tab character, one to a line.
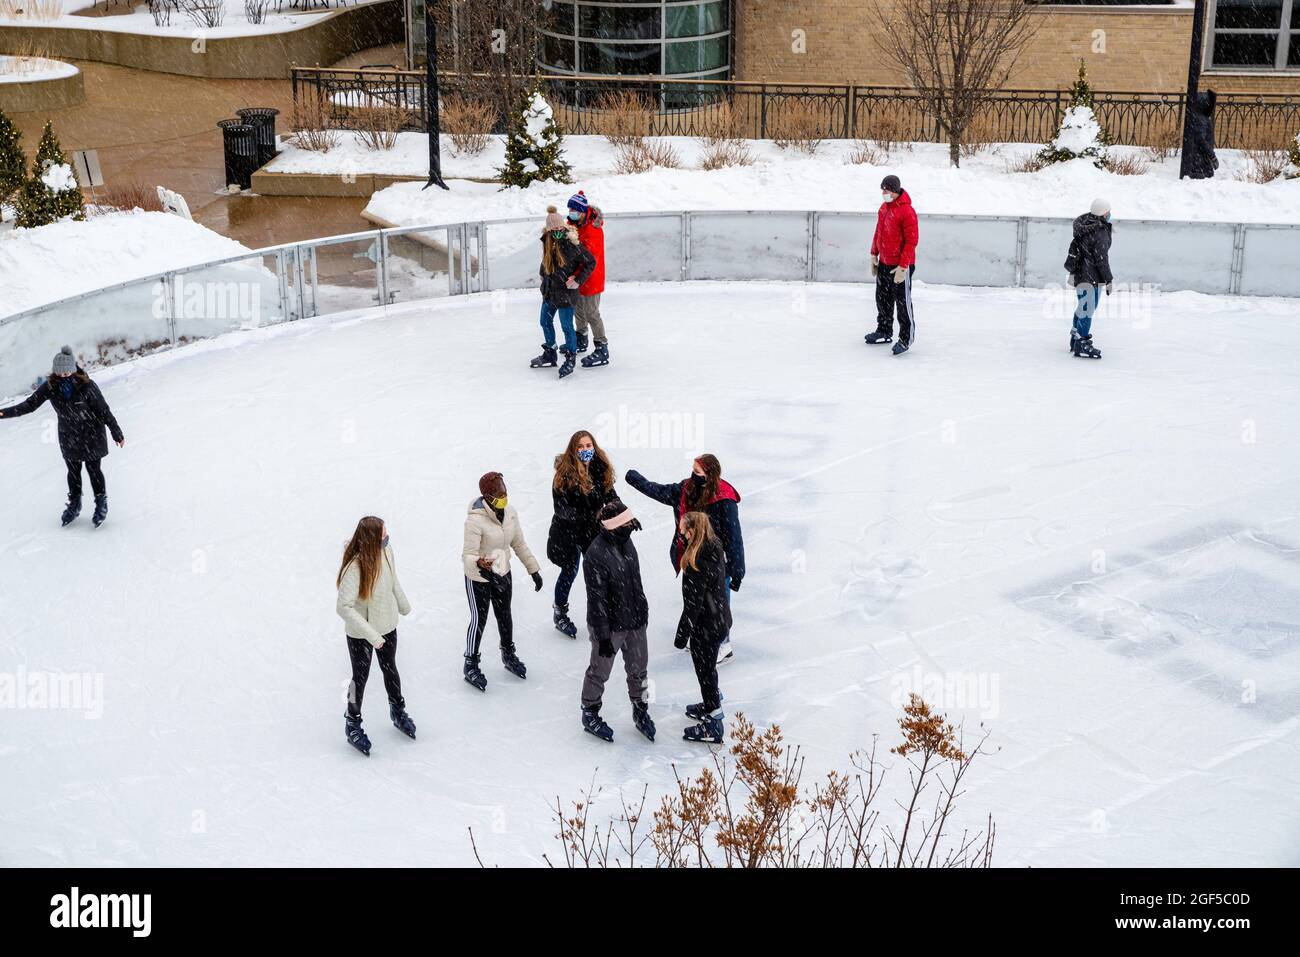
723	513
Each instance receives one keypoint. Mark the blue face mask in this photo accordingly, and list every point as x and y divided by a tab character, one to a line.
586	455
384	543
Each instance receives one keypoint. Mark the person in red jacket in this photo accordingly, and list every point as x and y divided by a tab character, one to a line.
893	260
591	233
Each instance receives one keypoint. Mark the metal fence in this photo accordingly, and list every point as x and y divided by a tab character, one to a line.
358	271
659	107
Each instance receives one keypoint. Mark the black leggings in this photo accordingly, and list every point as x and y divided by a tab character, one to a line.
360	651
481	595
704	655
74	477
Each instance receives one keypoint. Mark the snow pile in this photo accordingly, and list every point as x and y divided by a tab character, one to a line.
33	69
1083	556
234	21
58	177
1080	137
539	122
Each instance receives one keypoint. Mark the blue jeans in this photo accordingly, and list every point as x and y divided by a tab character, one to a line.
1089	298
566	325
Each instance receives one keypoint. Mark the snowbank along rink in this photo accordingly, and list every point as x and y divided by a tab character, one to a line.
1100	561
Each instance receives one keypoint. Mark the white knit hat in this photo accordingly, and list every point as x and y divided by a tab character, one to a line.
1100	207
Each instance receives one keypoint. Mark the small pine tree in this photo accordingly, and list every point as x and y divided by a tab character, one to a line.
1081	134
1293	154
51	193
534	145
13	164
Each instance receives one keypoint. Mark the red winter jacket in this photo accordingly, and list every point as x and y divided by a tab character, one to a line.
591	232
896	232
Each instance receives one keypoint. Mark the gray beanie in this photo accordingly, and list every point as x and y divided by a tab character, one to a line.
65	363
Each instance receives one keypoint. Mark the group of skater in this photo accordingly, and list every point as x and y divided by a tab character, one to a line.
572	277
591	529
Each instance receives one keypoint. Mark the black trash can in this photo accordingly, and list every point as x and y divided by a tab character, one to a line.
240	143
262	120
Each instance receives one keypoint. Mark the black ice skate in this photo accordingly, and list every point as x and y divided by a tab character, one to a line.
582	343
560	615
1084	349
546	359
697	712
355	735
593	724
600	357
101	508
512	663
71	512
878	337
473	675
566	368
641	718
401	720
710	730
900	348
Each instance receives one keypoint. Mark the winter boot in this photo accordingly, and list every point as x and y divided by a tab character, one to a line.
1074	338
473	675
641	718
582	343
600	357
401	720
546	359
101	503
593	724
1084	349
355	735
512	662
900	347
566	367
881	335
697	712
560	615
72	511
710	730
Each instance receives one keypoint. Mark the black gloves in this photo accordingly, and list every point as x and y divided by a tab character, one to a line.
537	581
735	584
606	648
680	640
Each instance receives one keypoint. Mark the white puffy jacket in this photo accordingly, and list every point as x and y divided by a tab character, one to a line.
376	616
488	537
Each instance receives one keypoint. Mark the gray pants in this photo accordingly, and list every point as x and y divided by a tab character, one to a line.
587	313
636	657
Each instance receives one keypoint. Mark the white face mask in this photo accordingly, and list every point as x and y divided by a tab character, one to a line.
888	197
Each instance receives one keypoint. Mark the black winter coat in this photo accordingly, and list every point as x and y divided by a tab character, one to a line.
615	598
577	262
575	524
1089	257
82	418
1198	158
723	512
706	612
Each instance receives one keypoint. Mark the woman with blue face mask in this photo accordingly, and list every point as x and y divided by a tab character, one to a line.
584	483
83	416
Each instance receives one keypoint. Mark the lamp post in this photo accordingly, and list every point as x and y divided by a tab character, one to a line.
431	96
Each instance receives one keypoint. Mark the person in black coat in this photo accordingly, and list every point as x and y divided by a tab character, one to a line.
1198	158
705	622
584	482
703	491
566	265
617	616
1088	263
83	417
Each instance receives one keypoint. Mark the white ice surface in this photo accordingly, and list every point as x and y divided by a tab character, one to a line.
1112	547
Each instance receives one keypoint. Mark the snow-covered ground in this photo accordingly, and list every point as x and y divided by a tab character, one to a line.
33	69
789	179
1103	554
234	22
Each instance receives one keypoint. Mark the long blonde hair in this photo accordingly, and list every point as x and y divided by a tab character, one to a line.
701	531
367	550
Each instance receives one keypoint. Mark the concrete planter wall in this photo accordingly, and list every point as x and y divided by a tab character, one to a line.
33	96
333	36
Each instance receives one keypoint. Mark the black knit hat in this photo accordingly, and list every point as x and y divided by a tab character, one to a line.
891	183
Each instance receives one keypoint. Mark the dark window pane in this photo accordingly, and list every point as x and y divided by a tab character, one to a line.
558	53
696	57
1295	16
614	23
1248	14
697	20
1293	59
630	59
1245	49
558	19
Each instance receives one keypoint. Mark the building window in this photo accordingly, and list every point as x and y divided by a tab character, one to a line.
677	38
1254	34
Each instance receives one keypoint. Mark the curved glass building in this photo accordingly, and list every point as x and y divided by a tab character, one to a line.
690	39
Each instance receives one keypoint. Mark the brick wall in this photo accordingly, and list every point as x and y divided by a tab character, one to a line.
1144	51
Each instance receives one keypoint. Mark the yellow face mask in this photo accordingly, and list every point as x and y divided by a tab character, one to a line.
498	503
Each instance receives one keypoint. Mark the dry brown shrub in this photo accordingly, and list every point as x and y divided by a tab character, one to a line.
468	123
1264	166
643	155
377	126
887	130
623	117
1127	165
1028	163
866	152
311	124
1163	142
128	196
719	154
797	123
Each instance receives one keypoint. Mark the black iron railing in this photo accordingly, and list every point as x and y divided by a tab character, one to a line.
659	107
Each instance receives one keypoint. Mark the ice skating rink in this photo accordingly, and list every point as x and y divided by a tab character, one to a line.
1100	561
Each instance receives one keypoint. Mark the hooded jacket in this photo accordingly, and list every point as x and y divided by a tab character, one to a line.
487	536
1089	257
575	261
897	232
82	418
615	597
591	233
575	524
706	611
724	516
372	618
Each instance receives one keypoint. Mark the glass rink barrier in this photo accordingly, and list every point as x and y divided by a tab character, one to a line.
389	267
